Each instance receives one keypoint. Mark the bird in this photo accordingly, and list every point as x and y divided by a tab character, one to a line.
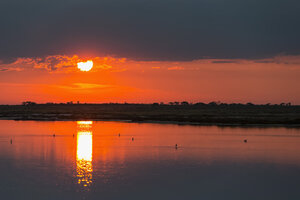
245	140
53	135
119	135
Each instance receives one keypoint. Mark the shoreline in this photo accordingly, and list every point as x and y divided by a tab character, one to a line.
236	115
181	123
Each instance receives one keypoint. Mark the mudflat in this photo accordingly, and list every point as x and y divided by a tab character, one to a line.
223	114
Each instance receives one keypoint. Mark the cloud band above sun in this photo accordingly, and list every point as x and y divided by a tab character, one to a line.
61	63
75	63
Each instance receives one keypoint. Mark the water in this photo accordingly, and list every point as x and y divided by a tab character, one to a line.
89	160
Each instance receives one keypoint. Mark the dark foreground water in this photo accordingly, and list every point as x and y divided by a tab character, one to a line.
89	160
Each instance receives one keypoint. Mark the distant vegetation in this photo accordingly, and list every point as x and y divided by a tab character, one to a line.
172	112
218	103
175	103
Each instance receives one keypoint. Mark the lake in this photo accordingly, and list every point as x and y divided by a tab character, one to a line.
119	160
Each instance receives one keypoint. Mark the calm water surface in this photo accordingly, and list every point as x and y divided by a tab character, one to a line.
89	160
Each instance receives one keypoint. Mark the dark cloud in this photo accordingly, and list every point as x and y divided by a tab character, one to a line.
225	61
150	29
264	61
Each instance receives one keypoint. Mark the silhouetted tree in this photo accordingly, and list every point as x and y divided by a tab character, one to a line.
212	103
28	103
184	103
199	104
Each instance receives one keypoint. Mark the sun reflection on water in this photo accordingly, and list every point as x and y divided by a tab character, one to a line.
84	153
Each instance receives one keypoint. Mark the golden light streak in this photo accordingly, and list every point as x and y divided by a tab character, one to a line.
84	153
84	145
84	122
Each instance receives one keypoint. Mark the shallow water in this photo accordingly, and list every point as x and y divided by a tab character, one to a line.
89	160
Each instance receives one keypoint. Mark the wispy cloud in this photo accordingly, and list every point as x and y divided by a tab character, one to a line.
176	68
17	69
79	86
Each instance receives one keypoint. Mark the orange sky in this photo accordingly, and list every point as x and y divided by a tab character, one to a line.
57	79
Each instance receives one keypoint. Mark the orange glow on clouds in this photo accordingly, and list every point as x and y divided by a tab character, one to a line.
58	78
85	66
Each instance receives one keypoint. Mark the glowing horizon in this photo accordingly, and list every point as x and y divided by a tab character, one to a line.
56	78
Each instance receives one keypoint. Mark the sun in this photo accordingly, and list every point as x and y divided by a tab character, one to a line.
85	66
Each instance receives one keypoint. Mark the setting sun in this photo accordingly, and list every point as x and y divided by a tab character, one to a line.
85	66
